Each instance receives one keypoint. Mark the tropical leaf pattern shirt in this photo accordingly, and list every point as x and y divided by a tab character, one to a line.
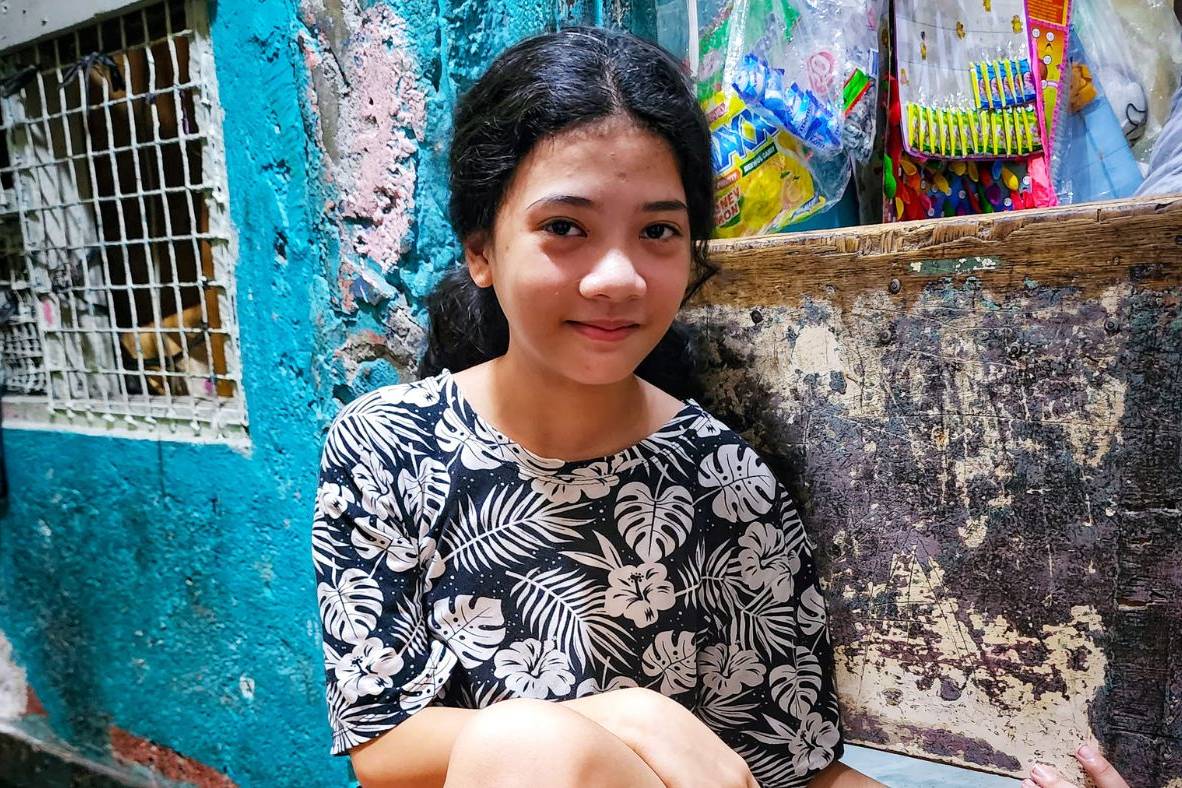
454	567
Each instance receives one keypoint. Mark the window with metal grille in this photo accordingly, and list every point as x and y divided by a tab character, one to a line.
116	288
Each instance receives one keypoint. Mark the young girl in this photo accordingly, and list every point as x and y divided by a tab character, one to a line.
538	520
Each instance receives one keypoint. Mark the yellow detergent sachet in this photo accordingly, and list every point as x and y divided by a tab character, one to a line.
762	183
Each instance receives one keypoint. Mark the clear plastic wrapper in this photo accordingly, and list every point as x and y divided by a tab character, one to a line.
790	91
1092	159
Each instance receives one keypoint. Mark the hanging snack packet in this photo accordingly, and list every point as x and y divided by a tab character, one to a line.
762	177
763	184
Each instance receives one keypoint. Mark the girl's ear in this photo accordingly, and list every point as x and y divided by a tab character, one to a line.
478	256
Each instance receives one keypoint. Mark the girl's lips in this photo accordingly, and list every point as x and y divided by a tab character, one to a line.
594	332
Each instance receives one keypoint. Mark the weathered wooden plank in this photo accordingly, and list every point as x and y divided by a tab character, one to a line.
988	451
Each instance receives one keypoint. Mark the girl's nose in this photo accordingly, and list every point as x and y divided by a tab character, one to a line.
613	276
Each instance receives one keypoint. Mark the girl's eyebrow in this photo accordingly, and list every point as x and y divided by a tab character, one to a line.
583	202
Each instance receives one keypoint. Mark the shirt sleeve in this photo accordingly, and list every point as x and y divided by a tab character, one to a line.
766	662
380	664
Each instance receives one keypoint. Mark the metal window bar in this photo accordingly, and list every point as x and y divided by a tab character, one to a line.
115	243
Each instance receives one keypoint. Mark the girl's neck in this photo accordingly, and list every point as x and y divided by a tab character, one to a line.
556	417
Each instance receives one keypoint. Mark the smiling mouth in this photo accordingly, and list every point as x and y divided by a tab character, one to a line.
606	334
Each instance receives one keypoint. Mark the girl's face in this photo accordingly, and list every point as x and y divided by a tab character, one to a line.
593	228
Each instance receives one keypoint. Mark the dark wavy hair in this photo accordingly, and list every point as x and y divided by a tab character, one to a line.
539	87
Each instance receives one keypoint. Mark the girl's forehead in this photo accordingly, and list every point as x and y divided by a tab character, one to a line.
599	154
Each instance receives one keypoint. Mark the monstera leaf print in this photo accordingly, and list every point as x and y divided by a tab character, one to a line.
511	526
654	524
375	538
480	449
424	491
674	660
746	487
797	685
568	609
350	606
472	626
811	615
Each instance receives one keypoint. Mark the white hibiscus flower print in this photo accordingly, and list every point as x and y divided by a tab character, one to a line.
376	484
592	481
533	669
727	669
368	669
766	560
812	749
334	499
638	593
421	393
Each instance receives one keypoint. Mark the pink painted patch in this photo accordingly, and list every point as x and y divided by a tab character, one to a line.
382	121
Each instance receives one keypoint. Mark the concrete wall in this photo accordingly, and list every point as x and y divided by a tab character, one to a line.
161	593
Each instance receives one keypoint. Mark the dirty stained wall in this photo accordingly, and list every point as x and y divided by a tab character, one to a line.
160	592
981	422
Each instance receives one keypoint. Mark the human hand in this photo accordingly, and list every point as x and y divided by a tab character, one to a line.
680	749
1095	764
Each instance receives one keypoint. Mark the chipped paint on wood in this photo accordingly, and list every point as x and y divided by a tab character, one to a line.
990	461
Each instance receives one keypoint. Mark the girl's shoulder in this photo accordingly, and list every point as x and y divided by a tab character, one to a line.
404	410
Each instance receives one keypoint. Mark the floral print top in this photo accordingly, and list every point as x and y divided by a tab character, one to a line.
455	567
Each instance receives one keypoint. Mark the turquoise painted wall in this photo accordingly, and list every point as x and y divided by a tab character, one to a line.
164	587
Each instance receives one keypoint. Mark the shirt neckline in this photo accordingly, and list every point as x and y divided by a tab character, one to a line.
456	398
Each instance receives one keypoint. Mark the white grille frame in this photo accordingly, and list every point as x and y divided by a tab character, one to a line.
96	370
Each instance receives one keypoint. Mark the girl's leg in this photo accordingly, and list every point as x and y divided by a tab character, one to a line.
534	742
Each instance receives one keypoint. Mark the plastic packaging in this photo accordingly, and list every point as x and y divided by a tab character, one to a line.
1092	159
789	89
1143	37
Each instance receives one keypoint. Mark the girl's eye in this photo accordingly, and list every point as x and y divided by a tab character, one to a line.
561	227
659	234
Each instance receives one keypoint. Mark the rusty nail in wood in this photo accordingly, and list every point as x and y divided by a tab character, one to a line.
895	286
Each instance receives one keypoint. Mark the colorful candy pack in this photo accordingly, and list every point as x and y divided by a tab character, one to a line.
967	132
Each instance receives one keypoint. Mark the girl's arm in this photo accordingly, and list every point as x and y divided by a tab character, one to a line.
838	775
413	755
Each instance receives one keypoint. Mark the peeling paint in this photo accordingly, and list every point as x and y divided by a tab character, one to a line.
994	496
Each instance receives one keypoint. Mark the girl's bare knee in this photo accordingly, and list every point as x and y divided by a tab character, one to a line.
524	742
